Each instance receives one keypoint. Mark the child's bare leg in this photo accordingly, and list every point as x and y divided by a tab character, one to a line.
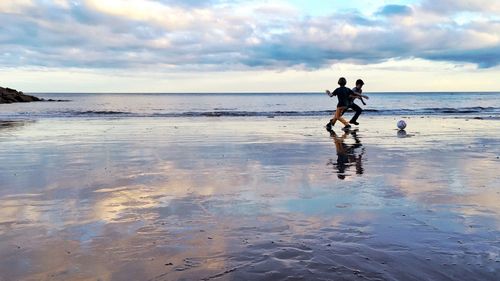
334	119
338	115
330	123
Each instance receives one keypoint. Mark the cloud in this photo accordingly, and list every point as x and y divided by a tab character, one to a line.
446	7
226	35
483	58
394	10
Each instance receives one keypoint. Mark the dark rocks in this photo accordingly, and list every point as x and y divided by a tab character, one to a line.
8	95
53	100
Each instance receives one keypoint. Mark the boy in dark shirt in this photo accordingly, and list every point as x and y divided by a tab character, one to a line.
357	90
342	94
346	100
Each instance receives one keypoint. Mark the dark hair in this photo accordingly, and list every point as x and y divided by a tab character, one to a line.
342	81
360	82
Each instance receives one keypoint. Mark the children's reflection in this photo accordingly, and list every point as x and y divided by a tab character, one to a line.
348	154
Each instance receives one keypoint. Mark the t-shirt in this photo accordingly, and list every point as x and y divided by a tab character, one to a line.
342	94
357	91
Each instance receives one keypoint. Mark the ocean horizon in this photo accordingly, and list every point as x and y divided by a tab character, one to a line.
454	104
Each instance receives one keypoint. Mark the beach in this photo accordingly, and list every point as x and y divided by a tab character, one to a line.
167	140
249	198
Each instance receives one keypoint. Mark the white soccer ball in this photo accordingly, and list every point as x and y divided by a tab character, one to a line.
401	124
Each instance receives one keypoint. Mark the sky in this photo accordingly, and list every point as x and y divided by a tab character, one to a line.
249	46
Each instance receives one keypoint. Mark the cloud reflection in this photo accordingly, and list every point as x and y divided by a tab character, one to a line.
214	196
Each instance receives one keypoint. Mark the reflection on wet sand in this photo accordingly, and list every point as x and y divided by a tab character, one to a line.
348	154
161	204
402	134
9	125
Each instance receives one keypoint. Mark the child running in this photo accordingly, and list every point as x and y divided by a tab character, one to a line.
342	94
357	95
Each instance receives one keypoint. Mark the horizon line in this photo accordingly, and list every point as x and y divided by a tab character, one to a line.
211	93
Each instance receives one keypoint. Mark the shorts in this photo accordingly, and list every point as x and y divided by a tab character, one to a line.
343	104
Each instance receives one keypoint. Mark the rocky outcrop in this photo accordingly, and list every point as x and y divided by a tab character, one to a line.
8	95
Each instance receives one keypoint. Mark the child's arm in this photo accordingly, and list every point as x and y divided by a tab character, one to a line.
363	101
358	95
364	97
330	94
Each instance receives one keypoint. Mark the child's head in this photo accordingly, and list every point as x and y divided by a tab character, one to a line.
342	81
359	83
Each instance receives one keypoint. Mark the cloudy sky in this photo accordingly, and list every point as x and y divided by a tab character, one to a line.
248	46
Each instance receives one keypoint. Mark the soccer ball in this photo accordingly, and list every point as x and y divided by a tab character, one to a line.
401	124
402	134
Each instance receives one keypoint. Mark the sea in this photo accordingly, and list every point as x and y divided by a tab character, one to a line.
129	105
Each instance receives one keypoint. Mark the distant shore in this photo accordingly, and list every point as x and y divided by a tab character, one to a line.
8	95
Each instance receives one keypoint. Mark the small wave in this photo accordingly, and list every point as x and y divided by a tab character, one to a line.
449	110
291	113
482	111
436	111
224	109
101	112
243	113
89	113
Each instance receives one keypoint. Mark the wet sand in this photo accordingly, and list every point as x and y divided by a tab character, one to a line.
249	199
